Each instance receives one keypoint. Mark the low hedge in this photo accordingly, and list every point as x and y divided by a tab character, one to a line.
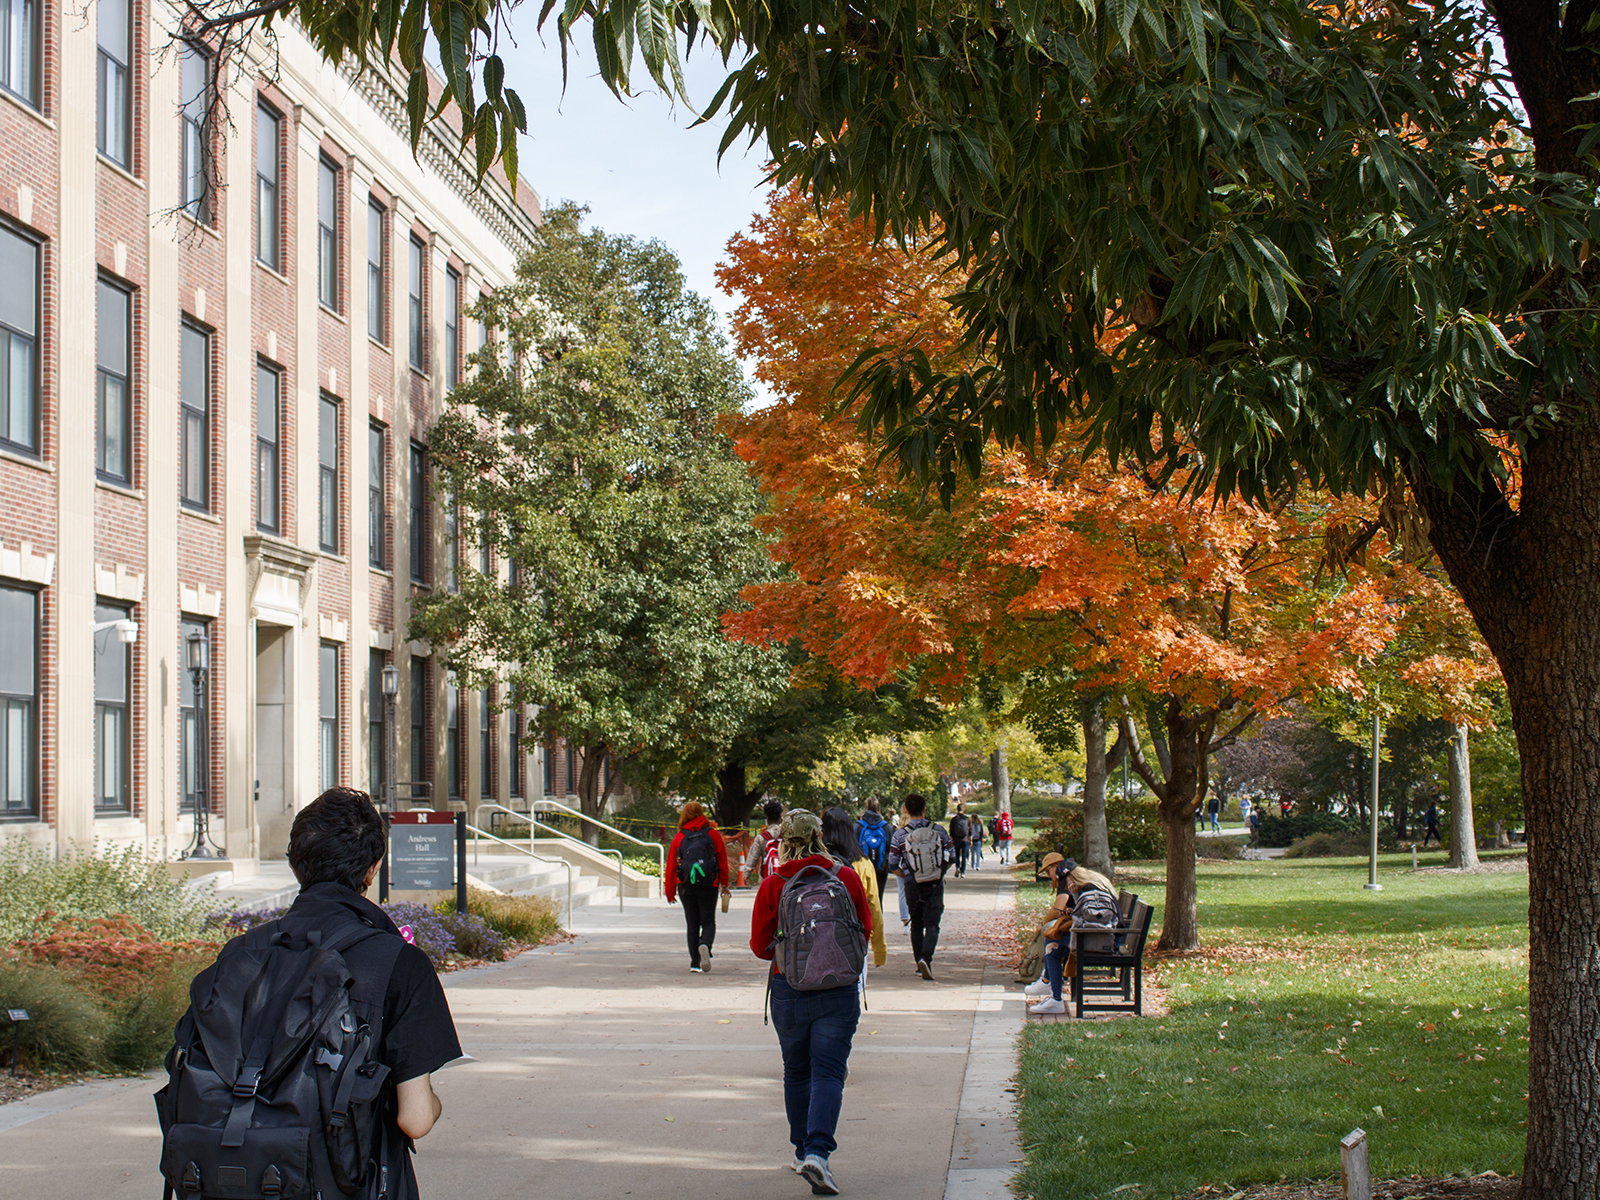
1281	831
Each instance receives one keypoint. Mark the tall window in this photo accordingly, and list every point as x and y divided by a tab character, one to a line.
419	719
377	727
414	302
549	757
328	713
452	542
375	289
572	769
113	398
19	339
194	390
328	475
486	743
268	125
19	49
328	233
194	149
452	323
19	701
514	730
452	732
267	430
377	477
418	525
113	762
113	83
191	755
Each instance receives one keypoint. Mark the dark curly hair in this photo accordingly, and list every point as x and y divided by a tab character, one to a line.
336	839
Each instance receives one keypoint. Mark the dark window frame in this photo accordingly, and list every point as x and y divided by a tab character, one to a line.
269	192
328	293
194	138
329	473
452	732
452	327
192	419
416	301
116	145
269	448
109	712
486	743
32	41
189	724
377	494
377	727
417	502
377	277
328	748
118	375
10	334
421	712
19	713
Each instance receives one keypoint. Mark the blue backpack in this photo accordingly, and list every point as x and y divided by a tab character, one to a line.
874	839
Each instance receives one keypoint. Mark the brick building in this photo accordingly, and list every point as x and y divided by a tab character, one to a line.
225	331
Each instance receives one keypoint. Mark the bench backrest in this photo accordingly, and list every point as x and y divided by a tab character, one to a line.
1139	922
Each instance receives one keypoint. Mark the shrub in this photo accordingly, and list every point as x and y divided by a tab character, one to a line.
84	884
428	930
66	1029
1280	831
645	864
1218	847
231	924
529	919
473	936
1134	827
1350	844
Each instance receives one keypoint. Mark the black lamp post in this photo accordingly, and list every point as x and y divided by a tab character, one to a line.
391	689
198	660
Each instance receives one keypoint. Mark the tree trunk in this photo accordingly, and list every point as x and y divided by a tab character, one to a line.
1530	578
1463	837
1184	742
1096	837
591	798
1180	917
1000	778
735	800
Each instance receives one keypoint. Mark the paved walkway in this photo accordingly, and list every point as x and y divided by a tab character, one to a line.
605	1068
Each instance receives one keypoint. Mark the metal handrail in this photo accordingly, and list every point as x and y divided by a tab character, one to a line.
661	851
555	862
561	833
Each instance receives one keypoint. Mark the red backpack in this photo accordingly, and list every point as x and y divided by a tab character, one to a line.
769	858
1003	824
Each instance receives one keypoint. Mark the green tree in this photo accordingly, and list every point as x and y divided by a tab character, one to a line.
584	451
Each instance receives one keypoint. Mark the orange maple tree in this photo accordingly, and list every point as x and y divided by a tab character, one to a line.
1196	619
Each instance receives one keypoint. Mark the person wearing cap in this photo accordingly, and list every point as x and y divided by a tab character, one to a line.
815	1029
1052	869
1092	900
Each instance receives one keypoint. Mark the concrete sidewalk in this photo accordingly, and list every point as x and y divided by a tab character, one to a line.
605	1068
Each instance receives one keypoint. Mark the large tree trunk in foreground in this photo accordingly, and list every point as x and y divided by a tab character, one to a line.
1096	837
1531	579
735	800
1000	779
1463	837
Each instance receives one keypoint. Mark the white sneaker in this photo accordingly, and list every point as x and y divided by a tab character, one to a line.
797	1164
815	1172
1039	987
1048	1006
705	958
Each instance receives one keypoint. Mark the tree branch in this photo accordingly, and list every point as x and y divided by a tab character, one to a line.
1232	735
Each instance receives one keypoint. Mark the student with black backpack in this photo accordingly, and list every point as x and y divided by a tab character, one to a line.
920	853
813	921
303	1064
697	869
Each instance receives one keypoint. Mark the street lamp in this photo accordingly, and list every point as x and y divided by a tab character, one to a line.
391	689
1372	884
198	659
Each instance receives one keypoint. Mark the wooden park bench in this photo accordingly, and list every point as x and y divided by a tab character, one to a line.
1113	980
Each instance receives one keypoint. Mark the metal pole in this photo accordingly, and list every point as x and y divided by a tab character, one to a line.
1372	854
390	769
461	862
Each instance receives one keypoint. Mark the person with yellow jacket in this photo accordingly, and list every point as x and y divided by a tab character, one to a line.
839	836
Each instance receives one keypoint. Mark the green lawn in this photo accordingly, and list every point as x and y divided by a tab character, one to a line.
1315	1007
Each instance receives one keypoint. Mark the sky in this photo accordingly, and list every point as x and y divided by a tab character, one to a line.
637	163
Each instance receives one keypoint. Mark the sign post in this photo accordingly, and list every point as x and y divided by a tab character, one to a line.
428	853
18	1016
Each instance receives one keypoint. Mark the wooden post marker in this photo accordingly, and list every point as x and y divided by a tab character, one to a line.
1353	1160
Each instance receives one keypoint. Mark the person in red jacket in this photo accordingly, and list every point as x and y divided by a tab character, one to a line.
814	1029
697	868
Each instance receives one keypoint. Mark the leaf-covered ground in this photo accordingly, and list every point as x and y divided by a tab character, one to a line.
1314	1007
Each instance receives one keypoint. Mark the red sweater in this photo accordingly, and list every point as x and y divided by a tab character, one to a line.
670	883
764	921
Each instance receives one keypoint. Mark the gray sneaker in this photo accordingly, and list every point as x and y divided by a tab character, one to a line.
815	1172
705	958
798	1164
924	968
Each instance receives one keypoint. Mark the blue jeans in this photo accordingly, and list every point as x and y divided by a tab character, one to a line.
1055	954
814	1032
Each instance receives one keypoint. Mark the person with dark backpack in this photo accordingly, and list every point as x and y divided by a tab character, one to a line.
958	837
873	832
813	921
920	853
303	1065
697	869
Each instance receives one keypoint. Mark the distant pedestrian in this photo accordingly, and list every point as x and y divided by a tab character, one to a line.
839	836
1004	827
763	853
975	843
920	854
1244	809
1213	808
873	832
697	869
1431	821
1255	827
958	836
815	1025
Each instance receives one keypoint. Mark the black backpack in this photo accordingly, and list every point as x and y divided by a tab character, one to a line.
697	858
274	1089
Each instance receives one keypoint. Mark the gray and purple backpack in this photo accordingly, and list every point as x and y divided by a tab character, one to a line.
820	942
